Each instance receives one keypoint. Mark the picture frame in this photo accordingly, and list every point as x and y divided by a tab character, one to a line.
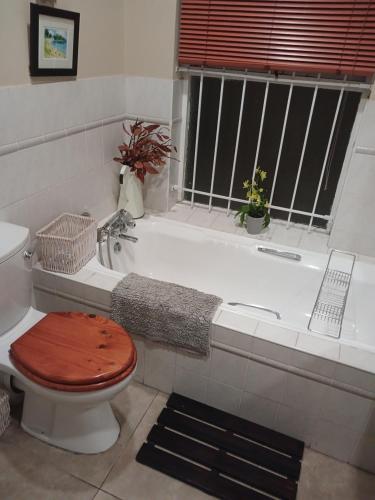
54	38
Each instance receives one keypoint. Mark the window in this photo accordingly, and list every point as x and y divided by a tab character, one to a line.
298	134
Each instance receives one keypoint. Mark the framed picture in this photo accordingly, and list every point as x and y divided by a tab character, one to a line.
54	35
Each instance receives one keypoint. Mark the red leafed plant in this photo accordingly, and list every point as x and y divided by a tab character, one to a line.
148	147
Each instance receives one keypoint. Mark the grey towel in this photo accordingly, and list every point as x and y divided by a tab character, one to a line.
164	312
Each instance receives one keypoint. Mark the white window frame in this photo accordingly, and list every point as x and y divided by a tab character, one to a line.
316	83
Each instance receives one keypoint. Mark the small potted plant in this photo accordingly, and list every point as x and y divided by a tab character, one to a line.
256	211
146	149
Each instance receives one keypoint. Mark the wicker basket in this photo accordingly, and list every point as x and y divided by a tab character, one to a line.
4	411
67	243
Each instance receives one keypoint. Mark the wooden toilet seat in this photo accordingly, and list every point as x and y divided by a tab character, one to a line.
75	352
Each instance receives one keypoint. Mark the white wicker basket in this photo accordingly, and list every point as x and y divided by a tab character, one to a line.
67	243
4	411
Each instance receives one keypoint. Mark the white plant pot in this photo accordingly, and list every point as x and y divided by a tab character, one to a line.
254	225
131	195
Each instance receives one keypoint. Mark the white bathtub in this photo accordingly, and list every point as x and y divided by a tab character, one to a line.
231	267
306	385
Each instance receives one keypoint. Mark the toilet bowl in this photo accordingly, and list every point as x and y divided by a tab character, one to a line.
66	404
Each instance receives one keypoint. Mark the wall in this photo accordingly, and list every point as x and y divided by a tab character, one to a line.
58	137
150	34
152	88
101	44
353	228
57	140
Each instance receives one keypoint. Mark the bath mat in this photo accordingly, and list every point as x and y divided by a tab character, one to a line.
221	454
164	312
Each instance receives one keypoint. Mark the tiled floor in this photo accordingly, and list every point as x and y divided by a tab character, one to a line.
277	232
31	470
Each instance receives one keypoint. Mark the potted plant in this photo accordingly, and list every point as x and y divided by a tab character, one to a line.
146	149
256	211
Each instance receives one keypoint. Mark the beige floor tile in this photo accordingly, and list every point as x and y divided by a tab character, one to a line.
102	495
129	407
131	480
29	476
324	478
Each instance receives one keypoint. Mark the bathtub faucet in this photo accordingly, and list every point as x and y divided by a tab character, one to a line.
117	226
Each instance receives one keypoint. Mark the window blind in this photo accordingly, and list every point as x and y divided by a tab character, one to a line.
320	36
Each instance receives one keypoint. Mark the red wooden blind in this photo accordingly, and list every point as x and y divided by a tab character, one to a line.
320	36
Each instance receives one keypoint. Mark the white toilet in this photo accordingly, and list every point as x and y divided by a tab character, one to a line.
82	422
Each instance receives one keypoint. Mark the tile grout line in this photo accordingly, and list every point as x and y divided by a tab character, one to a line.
130	436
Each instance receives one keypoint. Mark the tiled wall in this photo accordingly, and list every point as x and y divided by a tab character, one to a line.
354	222
332	421
56	149
57	141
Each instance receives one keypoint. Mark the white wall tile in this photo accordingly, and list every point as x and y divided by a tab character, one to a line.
160	363
223	396
36	181
294	423
190	384
321	358
151	97
314	364
354	377
228	368
366	133
94	148
232	338
265	381
364	453
257	409
140	347
318	346
304	394
357	203
370	425
113	136
194	363
345	409
334	440
272	350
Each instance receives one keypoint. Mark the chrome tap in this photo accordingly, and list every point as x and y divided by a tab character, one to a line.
117	226
123	236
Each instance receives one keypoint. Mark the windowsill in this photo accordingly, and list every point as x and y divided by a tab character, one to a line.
277	232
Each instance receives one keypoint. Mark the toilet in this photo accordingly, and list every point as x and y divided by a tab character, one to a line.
69	365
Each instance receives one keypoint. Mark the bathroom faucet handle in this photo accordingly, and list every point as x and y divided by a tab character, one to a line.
128	219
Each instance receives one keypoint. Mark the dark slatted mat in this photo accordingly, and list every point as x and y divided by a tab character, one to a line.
221	454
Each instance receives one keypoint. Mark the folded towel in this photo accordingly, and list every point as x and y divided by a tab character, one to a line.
164	312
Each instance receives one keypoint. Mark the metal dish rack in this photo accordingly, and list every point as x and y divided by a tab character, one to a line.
328	312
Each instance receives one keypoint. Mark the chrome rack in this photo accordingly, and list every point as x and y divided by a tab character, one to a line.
329	308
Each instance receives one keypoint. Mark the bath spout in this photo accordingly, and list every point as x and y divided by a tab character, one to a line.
123	236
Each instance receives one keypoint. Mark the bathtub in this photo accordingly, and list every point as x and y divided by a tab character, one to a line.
271	371
232	267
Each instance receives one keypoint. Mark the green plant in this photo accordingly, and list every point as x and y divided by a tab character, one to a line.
258	203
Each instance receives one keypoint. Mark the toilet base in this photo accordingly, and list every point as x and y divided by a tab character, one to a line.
81	428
